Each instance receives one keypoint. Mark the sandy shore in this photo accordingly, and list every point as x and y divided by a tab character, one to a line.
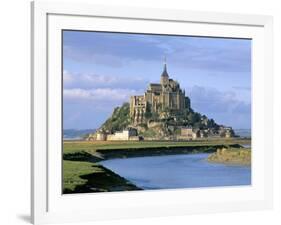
231	156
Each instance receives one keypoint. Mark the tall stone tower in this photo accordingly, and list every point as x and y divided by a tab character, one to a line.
164	76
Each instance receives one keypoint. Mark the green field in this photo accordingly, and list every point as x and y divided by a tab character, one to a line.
83	174
73	170
85	177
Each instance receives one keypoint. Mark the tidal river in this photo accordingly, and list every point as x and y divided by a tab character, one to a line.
178	171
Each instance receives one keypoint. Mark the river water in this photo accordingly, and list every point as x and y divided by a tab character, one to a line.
178	171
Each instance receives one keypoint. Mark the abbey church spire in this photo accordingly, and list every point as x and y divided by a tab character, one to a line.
164	75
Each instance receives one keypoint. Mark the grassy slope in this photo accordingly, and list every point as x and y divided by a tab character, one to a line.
73	170
119	120
85	177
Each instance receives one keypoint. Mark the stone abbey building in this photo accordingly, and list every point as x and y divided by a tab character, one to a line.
158	98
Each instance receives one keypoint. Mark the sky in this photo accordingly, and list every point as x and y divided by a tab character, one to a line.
101	70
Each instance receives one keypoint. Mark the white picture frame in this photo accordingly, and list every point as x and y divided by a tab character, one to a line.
48	205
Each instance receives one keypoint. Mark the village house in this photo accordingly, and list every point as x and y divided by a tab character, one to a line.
189	133
125	135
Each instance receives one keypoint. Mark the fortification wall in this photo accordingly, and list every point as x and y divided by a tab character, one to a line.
118	136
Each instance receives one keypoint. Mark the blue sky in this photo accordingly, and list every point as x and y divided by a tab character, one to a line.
102	70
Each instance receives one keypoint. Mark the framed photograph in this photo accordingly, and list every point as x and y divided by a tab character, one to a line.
140	112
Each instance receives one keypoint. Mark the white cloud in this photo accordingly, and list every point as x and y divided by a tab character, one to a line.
67	77
213	100
225	107
104	95
91	80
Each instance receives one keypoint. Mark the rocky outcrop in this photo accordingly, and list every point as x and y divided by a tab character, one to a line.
159	128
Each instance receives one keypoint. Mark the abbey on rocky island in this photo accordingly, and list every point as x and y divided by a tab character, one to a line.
163	112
